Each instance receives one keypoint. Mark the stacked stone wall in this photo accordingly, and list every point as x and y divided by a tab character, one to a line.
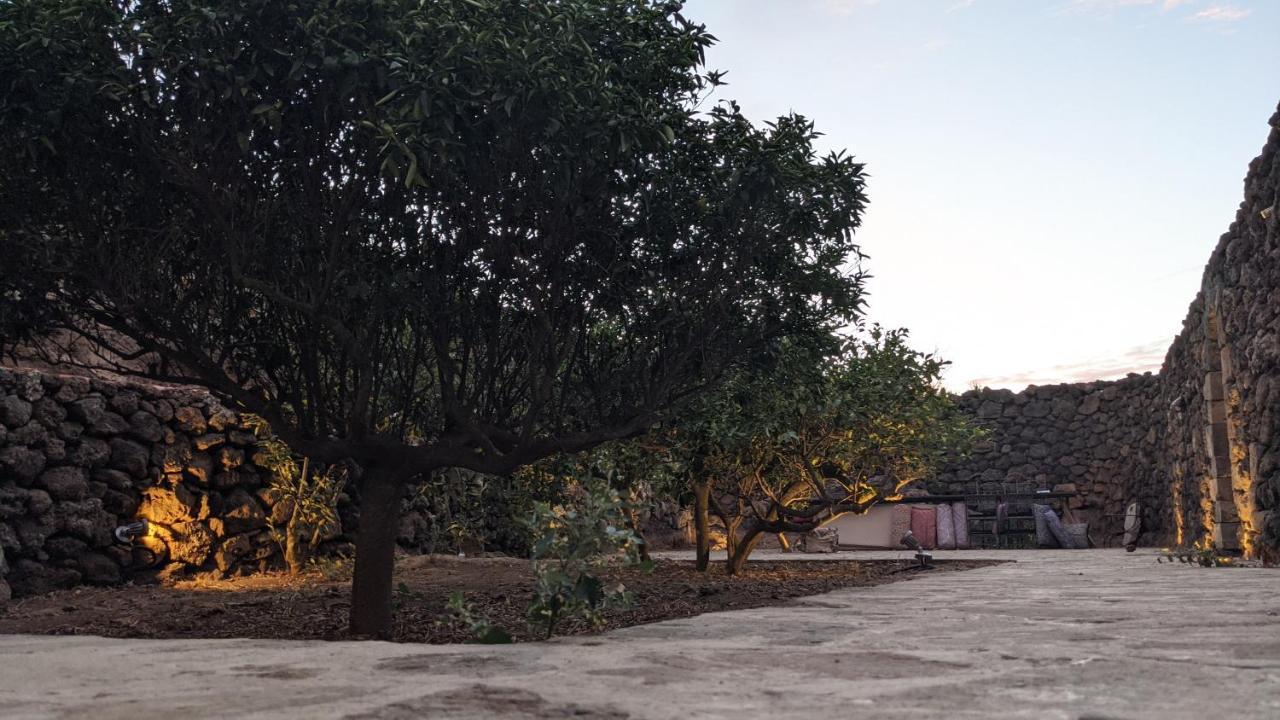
1221	379
80	456
1198	444
1095	439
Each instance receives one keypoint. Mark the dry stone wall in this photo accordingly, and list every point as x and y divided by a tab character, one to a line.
80	456
1096	439
1221	380
1198	444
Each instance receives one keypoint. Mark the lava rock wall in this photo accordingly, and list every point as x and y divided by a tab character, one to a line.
1198	444
1221	379
1096	439
80	456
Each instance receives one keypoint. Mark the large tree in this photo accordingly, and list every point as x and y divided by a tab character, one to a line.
462	233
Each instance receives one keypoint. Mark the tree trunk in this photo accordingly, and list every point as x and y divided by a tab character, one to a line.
743	550
730	534
295	556
702	522
633	519
380	496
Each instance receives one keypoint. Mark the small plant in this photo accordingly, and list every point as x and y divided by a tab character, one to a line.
569	548
405	595
333	568
478	626
309	497
460	533
1202	554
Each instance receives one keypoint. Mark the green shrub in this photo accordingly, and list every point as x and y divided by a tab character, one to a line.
569	546
305	498
477	625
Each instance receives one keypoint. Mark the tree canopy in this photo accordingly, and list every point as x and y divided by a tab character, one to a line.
463	233
813	433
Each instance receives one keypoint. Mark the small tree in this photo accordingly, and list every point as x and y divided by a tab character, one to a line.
569	545
308	496
792	446
462	233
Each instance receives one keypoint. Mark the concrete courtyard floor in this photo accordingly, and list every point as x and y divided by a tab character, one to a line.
1056	634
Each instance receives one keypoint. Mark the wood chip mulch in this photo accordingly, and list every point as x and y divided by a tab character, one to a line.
315	606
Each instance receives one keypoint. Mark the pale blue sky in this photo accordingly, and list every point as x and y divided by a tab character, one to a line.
1048	177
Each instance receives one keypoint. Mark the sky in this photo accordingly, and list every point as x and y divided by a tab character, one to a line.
1047	178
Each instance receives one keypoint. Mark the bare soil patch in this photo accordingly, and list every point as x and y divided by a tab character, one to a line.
315	606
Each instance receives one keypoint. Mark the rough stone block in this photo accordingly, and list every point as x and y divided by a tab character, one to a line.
190	420
14	411
1226	536
128	456
87	411
64	483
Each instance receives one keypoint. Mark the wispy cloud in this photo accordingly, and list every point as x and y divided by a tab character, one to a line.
1106	6
1109	6
1140	359
846	7
1221	13
962	5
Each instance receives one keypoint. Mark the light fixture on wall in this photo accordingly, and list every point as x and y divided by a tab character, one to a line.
132	531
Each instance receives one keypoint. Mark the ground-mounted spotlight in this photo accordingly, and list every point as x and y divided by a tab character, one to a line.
922	555
132	531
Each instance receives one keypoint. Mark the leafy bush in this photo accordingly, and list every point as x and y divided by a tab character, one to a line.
569	546
811	431
457	505
481	630
308	496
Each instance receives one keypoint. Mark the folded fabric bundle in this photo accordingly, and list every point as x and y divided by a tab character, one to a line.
960	520
924	525
1077	529
1002	519
1056	534
1044	538
946	528
1079	534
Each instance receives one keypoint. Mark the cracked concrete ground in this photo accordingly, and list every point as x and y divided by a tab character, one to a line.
1057	634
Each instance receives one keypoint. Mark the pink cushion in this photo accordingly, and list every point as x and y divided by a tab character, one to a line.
960	519
946	527
924	525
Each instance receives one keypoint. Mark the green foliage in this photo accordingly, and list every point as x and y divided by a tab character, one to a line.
875	408
308	496
487	230
814	430
333	567
478	626
569	546
404	595
458	504
413	235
